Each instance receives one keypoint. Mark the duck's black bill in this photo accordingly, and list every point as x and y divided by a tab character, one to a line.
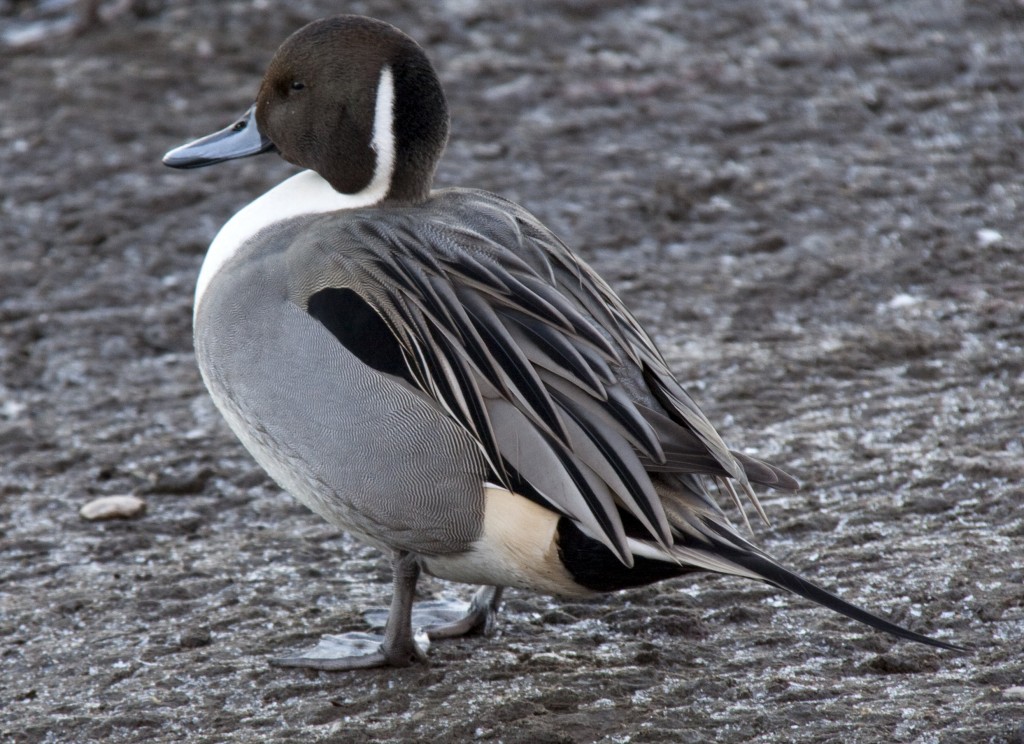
240	140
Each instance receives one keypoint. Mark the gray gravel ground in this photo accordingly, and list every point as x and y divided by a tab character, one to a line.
816	209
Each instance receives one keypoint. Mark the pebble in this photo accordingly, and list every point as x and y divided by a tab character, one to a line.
113	507
1014	692
987	237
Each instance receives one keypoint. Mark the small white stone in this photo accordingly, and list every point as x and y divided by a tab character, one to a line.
12	409
987	237
113	507
1014	692
903	300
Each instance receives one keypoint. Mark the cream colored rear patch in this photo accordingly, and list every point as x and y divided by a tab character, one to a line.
518	548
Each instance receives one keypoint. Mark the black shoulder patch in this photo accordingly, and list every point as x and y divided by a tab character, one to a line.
359	329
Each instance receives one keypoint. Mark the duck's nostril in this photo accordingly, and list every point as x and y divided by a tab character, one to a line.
239	126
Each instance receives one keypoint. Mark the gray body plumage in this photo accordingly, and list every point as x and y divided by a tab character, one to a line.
375	455
358	447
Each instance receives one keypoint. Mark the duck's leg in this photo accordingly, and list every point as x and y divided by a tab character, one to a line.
396	647
444	618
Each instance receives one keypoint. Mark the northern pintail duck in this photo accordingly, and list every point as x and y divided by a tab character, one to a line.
438	374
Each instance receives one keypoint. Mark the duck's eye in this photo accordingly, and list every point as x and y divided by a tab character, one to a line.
298	86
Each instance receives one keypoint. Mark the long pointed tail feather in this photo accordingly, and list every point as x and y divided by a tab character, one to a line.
752	561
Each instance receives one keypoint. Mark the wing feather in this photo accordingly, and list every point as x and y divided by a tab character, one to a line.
527	348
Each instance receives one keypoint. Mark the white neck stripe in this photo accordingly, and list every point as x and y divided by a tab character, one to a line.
383	140
307	193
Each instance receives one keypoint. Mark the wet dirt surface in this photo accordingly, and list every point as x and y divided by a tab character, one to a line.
816	210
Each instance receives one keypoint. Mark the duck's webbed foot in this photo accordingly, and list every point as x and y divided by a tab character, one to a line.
449	619
339	653
397	647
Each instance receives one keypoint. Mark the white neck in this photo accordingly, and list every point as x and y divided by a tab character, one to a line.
307	193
